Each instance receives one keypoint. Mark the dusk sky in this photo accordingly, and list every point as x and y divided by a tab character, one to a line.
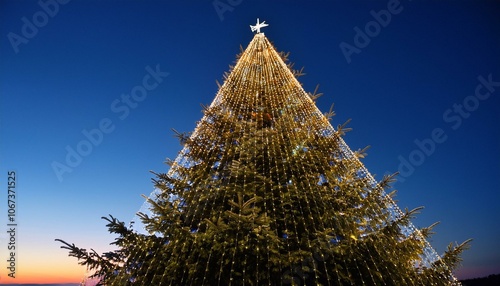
419	79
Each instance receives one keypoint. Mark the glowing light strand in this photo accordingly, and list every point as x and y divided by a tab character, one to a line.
261	69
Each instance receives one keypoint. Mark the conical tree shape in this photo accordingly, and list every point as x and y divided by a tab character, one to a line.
266	192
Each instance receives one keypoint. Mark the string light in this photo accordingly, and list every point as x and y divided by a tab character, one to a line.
265	191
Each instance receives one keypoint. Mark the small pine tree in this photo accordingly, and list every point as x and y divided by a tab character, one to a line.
266	192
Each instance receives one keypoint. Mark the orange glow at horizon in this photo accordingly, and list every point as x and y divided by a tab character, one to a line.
49	272
40	260
41	278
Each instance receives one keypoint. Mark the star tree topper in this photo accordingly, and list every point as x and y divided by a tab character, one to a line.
258	26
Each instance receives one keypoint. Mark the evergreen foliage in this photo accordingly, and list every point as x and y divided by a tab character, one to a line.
266	192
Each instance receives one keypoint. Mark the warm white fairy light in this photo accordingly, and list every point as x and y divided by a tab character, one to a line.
262	93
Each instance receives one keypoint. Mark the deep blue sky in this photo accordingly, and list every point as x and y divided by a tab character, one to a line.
407	81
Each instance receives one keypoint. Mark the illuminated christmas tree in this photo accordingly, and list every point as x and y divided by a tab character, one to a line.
266	192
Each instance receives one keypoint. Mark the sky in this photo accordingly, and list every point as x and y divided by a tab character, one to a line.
419	79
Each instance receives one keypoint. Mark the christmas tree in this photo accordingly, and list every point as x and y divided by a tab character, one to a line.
266	192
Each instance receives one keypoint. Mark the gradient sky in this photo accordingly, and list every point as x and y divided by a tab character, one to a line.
413	77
